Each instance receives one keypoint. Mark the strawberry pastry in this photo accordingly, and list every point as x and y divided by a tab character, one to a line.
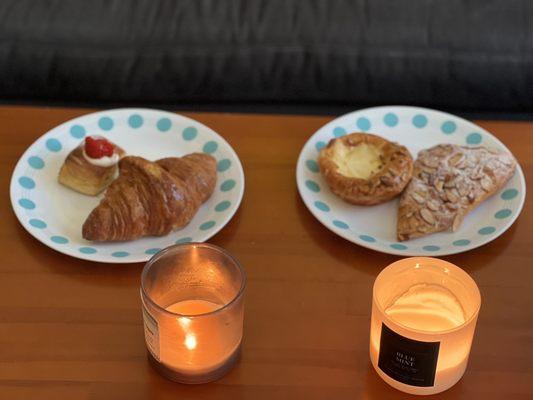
91	166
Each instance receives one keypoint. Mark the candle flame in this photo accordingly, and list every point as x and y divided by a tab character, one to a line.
184	322
190	341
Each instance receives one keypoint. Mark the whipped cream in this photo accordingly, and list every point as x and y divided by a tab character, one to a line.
427	307
105	161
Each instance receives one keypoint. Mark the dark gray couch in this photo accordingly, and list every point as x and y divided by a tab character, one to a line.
453	54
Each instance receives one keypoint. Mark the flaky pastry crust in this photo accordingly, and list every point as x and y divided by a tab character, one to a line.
382	185
449	181
152	198
80	175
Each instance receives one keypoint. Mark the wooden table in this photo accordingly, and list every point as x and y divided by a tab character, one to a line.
71	329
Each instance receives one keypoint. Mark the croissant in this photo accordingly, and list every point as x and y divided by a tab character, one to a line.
152	198
449	181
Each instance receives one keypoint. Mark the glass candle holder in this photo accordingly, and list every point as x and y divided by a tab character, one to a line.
192	299
424	313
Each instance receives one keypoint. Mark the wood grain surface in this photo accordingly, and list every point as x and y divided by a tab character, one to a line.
72	329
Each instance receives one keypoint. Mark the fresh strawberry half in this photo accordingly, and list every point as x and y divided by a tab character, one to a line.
96	147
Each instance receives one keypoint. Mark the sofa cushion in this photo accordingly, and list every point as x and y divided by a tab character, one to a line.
473	55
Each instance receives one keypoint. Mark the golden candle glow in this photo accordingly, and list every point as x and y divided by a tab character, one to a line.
424	313
427	307
192	298
184	321
201	348
190	341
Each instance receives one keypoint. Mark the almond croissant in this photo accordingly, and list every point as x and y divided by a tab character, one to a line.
152	198
448	182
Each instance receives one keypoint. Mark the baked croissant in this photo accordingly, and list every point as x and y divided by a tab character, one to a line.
152	198
448	182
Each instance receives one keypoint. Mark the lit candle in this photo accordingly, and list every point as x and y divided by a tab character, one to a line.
193	312
424	313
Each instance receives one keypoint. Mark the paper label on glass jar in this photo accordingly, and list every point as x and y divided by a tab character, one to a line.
151	333
406	360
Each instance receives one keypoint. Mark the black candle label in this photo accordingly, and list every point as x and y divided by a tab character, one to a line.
406	360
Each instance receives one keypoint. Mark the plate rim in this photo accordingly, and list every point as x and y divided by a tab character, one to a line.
133	259
389	250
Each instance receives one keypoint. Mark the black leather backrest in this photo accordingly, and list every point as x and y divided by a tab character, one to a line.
473	54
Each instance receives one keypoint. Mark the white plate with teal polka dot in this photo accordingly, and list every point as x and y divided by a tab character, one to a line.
55	214
375	227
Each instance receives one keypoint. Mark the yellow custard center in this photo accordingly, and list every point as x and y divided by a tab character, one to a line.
361	161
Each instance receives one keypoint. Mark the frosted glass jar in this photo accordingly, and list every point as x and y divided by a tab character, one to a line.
421	361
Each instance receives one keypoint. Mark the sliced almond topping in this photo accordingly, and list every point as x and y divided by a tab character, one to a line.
418	198
454	160
486	184
427	170
476	174
492	163
448	177
457	222
461	165
459	177
427	216
431	162
433	205
452	206
463	189
424	176
452	197
450	183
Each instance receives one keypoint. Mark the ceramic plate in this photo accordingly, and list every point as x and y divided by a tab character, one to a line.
55	214
375	227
